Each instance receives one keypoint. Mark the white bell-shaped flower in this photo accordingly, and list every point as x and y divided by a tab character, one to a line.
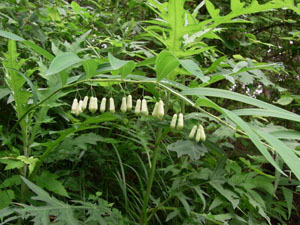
137	110
193	132
155	111
180	123
74	106
161	110
84	103
173	121
129	102
103	105
124	105
112	105
144	109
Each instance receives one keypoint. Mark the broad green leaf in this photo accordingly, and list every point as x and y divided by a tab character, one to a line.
62	62
187	147
194	69
127	69
165	64
90	67
287	154
49	181
10	36
125	65
284	100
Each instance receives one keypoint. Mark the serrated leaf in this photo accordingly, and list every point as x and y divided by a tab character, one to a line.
62	62
6	196
49	181
187	147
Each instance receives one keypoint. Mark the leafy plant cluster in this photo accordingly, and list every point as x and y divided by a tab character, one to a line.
209	61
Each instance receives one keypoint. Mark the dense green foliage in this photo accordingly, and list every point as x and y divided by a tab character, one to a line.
231	66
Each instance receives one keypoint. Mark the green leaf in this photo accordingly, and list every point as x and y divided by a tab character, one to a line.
288	195
62	62
10	36
41	214
284	100
31	161
165	64
4	92
286	134
15	81
125	65
232	197
90	67
287	154
11	164
211	9
267	113
49	181
6	196
39	50
187	147
236	5
194	69
252	135
214	92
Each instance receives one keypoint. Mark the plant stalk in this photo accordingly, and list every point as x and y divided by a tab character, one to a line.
143	219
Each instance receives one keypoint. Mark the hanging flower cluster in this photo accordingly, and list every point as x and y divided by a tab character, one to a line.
199	132
180	122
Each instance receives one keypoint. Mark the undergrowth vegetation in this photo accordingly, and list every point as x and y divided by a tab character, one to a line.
149	112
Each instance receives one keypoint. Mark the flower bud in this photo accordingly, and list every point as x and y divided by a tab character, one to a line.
180	122
193	132
103	105
144	109
138	107
198	135
93	106
124	105
155	111
161	110
79	108
129	102
112	105
173	121
74	106
202	133
84	103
